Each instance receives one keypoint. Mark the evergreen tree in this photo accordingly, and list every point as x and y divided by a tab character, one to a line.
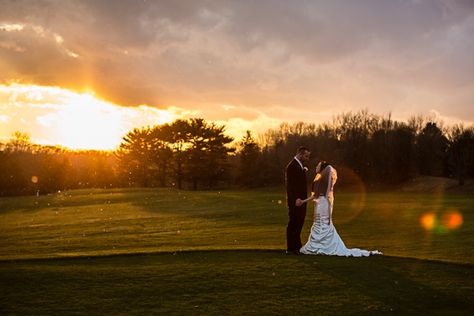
135	156
249	161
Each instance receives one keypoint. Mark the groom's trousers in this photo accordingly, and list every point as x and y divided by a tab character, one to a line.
296	216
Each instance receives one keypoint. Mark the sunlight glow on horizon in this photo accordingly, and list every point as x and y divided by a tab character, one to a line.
57	116
82	121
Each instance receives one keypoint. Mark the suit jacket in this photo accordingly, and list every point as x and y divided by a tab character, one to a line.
295	179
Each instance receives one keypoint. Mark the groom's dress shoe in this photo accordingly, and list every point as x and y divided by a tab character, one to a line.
292	252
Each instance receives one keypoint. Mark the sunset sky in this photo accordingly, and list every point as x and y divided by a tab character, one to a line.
83	73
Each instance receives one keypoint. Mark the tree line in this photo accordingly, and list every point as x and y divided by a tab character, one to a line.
374	149
27	168
195	154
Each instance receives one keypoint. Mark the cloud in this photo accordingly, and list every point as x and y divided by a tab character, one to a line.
299	56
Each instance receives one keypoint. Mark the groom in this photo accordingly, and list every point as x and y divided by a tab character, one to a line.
296	191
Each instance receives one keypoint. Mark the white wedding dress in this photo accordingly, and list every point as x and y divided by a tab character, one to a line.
323	238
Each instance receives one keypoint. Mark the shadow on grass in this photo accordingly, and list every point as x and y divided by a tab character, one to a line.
393	282
235	282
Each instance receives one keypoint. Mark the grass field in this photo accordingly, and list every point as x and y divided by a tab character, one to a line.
146	251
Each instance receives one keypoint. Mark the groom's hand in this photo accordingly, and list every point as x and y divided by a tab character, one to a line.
298	202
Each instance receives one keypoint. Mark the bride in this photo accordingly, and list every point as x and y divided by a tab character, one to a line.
323	238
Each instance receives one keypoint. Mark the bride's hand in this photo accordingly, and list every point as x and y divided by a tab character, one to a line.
314	198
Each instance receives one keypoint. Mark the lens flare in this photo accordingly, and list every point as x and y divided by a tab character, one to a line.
443	223
428	221
34	179
348	178
452	220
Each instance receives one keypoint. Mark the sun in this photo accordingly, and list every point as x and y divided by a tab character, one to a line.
86	122
58	116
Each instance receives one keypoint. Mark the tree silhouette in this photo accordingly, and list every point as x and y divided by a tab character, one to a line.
217	153
20	143
161	153
207	152
461	152
135	156
249	161
177	134
431	146
195	148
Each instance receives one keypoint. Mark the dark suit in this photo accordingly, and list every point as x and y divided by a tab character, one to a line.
295	179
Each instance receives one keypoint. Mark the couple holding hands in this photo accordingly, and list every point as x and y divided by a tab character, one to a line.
323	237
